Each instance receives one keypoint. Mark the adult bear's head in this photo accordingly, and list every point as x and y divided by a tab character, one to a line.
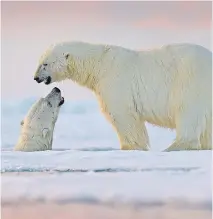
53	65
81	62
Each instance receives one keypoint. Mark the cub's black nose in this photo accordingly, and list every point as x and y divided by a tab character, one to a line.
57	90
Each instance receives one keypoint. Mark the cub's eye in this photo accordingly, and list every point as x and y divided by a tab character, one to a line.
49	104
45	64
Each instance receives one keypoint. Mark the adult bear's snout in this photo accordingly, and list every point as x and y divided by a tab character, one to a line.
47	80
37	79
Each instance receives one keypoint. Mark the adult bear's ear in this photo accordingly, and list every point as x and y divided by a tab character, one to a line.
66	55
106	49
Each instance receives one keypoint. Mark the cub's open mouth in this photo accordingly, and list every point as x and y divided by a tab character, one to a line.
61	102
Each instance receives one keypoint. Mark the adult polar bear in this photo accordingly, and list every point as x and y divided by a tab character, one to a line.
168	87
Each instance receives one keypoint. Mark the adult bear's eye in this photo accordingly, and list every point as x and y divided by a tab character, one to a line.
45	64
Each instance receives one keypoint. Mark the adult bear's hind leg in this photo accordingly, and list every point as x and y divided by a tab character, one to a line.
188	131
206	137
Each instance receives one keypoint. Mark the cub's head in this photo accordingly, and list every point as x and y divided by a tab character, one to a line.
52	65
44	113
54	99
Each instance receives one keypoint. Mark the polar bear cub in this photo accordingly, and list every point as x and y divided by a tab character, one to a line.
38	125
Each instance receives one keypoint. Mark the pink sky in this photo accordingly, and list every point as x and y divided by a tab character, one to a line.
28	28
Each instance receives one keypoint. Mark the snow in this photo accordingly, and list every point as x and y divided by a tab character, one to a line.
86	164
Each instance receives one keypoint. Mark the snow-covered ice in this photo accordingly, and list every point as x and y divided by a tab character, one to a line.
86	164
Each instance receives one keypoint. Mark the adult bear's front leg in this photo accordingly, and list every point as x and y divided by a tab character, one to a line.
131	132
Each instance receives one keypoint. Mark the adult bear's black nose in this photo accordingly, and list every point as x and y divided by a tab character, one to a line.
37	79
57	90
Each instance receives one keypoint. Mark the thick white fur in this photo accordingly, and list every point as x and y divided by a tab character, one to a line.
169	87
38	126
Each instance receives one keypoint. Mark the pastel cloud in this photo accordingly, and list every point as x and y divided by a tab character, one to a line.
178	15
164	22
30	27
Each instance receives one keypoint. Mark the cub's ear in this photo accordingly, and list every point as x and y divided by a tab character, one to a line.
45	132
66	55
22	122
